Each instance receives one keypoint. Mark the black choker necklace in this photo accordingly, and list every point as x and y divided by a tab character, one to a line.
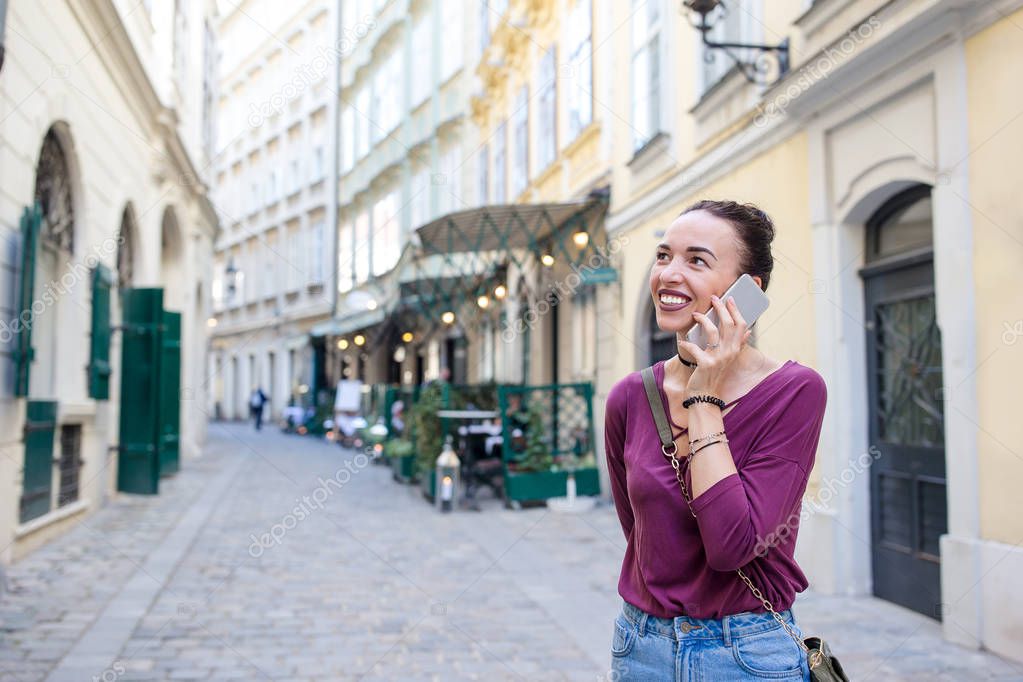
685	362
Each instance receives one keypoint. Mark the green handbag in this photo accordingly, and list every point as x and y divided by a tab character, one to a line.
823	666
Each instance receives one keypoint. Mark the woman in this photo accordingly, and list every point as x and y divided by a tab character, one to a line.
687	615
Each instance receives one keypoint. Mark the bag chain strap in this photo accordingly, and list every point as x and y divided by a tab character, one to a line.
817	656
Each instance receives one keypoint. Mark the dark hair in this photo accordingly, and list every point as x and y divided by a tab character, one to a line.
755	230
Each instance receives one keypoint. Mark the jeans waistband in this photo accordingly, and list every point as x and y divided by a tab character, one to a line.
736	625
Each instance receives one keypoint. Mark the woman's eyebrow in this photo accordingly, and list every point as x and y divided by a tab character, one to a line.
697	249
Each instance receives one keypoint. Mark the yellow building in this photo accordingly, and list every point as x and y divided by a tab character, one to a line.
885	156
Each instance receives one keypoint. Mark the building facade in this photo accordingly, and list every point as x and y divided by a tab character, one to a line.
105	147
275	188
883	154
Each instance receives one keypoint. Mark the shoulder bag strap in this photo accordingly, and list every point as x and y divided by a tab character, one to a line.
670	449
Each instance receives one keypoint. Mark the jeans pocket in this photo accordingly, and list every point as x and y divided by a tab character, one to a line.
624	638
770	655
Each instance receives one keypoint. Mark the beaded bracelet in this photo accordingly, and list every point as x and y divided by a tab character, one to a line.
714	400
694	441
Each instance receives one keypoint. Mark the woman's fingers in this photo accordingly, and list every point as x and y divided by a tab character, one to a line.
713	334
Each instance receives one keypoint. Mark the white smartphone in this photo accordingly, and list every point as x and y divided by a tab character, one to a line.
750	299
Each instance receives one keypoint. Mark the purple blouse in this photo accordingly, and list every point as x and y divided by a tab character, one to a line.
676	565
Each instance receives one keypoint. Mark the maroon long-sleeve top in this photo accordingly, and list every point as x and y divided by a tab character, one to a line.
677	565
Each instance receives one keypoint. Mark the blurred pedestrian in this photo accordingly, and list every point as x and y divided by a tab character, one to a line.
256	404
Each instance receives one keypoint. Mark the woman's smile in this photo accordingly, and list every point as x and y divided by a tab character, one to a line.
671	300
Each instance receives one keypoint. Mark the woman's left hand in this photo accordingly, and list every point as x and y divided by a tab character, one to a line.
725	343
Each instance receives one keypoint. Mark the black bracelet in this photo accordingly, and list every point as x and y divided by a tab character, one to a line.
713	400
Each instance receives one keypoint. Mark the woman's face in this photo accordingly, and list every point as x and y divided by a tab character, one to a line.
697	257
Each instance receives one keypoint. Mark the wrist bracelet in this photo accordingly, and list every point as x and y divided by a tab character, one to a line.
713	400
707	445
694	441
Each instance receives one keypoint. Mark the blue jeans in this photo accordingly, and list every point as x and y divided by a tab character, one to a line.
745	646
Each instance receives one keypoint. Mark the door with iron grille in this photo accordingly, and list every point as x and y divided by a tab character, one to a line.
904	364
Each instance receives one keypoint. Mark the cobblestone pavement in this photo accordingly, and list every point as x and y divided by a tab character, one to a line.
280	557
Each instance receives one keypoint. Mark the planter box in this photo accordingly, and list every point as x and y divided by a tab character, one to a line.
529	486
403	468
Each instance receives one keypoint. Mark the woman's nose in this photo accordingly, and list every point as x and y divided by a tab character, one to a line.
671	273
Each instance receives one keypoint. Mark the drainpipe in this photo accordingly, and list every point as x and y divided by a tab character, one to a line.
335	175
3	48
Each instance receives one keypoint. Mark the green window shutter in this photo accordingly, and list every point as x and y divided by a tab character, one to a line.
31	221
37	479
99	340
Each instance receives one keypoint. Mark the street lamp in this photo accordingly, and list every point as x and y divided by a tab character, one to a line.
547	259
407	337
500	292
483	301
447	317
447	478
755	71
581	238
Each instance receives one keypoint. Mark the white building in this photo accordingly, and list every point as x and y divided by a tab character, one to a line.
274	192
104	146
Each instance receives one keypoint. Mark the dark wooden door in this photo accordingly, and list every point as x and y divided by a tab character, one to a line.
170	394
138	468
907	477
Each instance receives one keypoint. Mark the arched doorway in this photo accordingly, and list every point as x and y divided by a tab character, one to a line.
906	420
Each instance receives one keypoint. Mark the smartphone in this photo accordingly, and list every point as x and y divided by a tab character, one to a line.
749	298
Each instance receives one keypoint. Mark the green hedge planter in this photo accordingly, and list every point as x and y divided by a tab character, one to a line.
532	486
403	468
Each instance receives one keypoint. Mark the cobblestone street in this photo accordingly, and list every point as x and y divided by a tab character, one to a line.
281	557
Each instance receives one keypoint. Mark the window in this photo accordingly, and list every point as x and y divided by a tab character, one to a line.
646	67
449	191
520	143
362	123
579	90
345	266
347	139
451	55
294	257
422	49
386	236
735	24
387	97
294	176
70	463
360	256
483	191
500	164
319	169
420	201
255	197
486	25
315	252
273	186
548	112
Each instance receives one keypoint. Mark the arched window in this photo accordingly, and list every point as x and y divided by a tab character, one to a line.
126	250
53	193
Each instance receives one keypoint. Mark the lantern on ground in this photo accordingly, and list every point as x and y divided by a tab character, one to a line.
447	478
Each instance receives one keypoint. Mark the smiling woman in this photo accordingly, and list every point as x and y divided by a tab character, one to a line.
742	478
